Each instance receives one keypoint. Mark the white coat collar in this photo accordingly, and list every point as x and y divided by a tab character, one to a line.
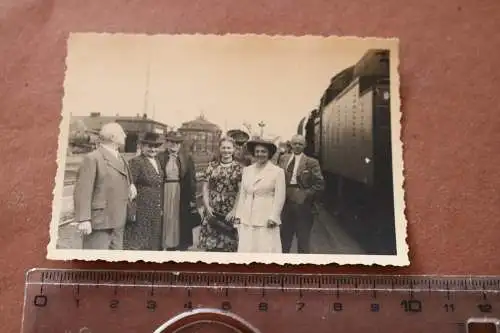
261	173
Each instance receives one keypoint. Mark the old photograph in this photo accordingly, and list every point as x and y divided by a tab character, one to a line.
230	149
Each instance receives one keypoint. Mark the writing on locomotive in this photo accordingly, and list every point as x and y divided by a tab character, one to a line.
350	131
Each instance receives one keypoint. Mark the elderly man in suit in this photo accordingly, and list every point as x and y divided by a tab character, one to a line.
304	182
102	192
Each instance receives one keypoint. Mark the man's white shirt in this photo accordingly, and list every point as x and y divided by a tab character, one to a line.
298	157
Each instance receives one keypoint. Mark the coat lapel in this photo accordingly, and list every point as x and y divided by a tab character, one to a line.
118	165
181	162
302	165
150	166
127	170
284	160
162	158
284	164
300	168
261	174
160	169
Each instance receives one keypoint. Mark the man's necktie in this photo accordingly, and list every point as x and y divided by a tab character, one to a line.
291	165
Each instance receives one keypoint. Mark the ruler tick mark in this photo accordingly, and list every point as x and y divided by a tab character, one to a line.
484	292
152	292
467	302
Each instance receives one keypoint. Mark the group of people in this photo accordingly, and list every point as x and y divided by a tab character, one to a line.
249	205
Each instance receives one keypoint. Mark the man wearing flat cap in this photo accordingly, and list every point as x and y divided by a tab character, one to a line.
241	154
179	196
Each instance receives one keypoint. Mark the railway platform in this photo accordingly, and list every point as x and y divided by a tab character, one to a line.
327	235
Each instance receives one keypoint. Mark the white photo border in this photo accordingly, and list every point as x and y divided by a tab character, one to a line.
402	250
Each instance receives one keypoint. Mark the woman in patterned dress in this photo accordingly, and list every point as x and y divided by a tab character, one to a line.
220	188
145	232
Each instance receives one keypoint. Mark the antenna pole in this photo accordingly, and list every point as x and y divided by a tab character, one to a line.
146	91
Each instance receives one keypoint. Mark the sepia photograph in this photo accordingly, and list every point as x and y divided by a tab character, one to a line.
230	149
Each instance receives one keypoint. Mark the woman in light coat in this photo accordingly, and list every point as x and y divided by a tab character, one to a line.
260	201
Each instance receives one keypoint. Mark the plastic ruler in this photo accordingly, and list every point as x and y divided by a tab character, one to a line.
85	301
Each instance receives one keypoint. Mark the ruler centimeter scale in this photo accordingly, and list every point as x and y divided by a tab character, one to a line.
90	301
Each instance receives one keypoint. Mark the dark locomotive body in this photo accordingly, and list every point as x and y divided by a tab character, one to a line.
350	132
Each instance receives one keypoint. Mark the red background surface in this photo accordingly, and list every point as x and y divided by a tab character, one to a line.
450	78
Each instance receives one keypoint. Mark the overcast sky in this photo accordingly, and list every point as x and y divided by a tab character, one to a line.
231	79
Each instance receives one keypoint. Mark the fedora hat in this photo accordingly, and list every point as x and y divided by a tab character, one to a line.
174	136
250	145
151	138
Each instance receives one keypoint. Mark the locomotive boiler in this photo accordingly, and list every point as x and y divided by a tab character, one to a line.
350	131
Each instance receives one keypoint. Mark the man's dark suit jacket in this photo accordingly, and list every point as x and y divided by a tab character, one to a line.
310	179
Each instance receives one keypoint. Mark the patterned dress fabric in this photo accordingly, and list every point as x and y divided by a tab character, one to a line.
223	185
146	232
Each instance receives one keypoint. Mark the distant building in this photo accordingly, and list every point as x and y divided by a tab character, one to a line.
202	135
134	127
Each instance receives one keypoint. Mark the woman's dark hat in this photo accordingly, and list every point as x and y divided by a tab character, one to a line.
174	136
250	146
151	138
239	136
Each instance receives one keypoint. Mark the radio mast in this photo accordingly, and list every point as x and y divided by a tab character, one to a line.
146	90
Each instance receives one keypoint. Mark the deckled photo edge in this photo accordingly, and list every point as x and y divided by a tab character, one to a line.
401	222
62	146
401	259
226	258
390	43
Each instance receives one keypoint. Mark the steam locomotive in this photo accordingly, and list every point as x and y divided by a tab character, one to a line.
350	132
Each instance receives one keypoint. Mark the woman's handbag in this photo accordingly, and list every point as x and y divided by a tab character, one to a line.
218	222
194	218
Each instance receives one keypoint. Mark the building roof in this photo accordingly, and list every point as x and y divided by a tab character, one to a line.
95	121
200	123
